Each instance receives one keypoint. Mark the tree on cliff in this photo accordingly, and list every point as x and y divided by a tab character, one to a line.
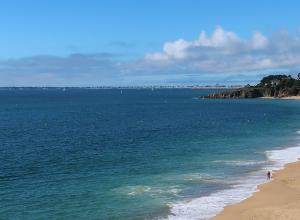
269	86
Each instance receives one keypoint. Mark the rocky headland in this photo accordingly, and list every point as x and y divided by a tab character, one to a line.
272	86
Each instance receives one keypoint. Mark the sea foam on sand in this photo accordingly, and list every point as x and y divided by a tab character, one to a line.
208	206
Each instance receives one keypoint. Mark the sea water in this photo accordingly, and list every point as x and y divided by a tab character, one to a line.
137	154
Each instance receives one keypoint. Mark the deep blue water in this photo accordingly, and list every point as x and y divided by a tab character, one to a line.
100	154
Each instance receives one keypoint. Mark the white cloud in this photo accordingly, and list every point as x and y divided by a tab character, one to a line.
74	70
259	41
221	53
219	39
224	51
172	50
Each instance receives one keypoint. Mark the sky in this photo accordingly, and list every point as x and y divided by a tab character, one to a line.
146	42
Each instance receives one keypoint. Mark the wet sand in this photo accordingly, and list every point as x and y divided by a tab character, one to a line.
278	199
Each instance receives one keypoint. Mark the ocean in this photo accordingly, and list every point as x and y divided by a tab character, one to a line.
137	154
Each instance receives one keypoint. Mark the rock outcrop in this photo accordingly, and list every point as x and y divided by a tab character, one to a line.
271	86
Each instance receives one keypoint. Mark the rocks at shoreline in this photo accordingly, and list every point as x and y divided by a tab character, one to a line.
277	86
235	94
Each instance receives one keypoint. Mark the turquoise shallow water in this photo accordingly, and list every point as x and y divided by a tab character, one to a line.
142	154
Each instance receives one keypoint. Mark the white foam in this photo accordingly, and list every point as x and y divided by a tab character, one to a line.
198	177
132	190
206	207
283	156
140	190
240	162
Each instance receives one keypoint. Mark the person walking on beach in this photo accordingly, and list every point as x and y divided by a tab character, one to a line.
269	175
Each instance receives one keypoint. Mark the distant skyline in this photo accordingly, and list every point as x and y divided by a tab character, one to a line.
131	42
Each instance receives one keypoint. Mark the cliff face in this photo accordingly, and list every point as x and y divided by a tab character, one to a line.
270	86
240	93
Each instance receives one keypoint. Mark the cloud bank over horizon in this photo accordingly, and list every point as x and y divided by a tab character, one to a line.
225	52
218	57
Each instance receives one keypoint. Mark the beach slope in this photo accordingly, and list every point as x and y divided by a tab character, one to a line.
278	199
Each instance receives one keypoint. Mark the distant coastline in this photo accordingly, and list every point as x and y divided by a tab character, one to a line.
221	87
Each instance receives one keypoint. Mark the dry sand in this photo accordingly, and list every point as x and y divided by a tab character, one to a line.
291	97
288	97
278	199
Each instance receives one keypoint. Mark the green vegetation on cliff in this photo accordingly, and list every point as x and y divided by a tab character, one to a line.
270	86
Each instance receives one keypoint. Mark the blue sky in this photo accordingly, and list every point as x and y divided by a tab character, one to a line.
139	42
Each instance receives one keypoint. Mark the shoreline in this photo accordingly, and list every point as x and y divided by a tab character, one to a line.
277	199
211	206
285	98
263	97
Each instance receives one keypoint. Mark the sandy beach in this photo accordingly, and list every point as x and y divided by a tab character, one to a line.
292	97
278	199
288	97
